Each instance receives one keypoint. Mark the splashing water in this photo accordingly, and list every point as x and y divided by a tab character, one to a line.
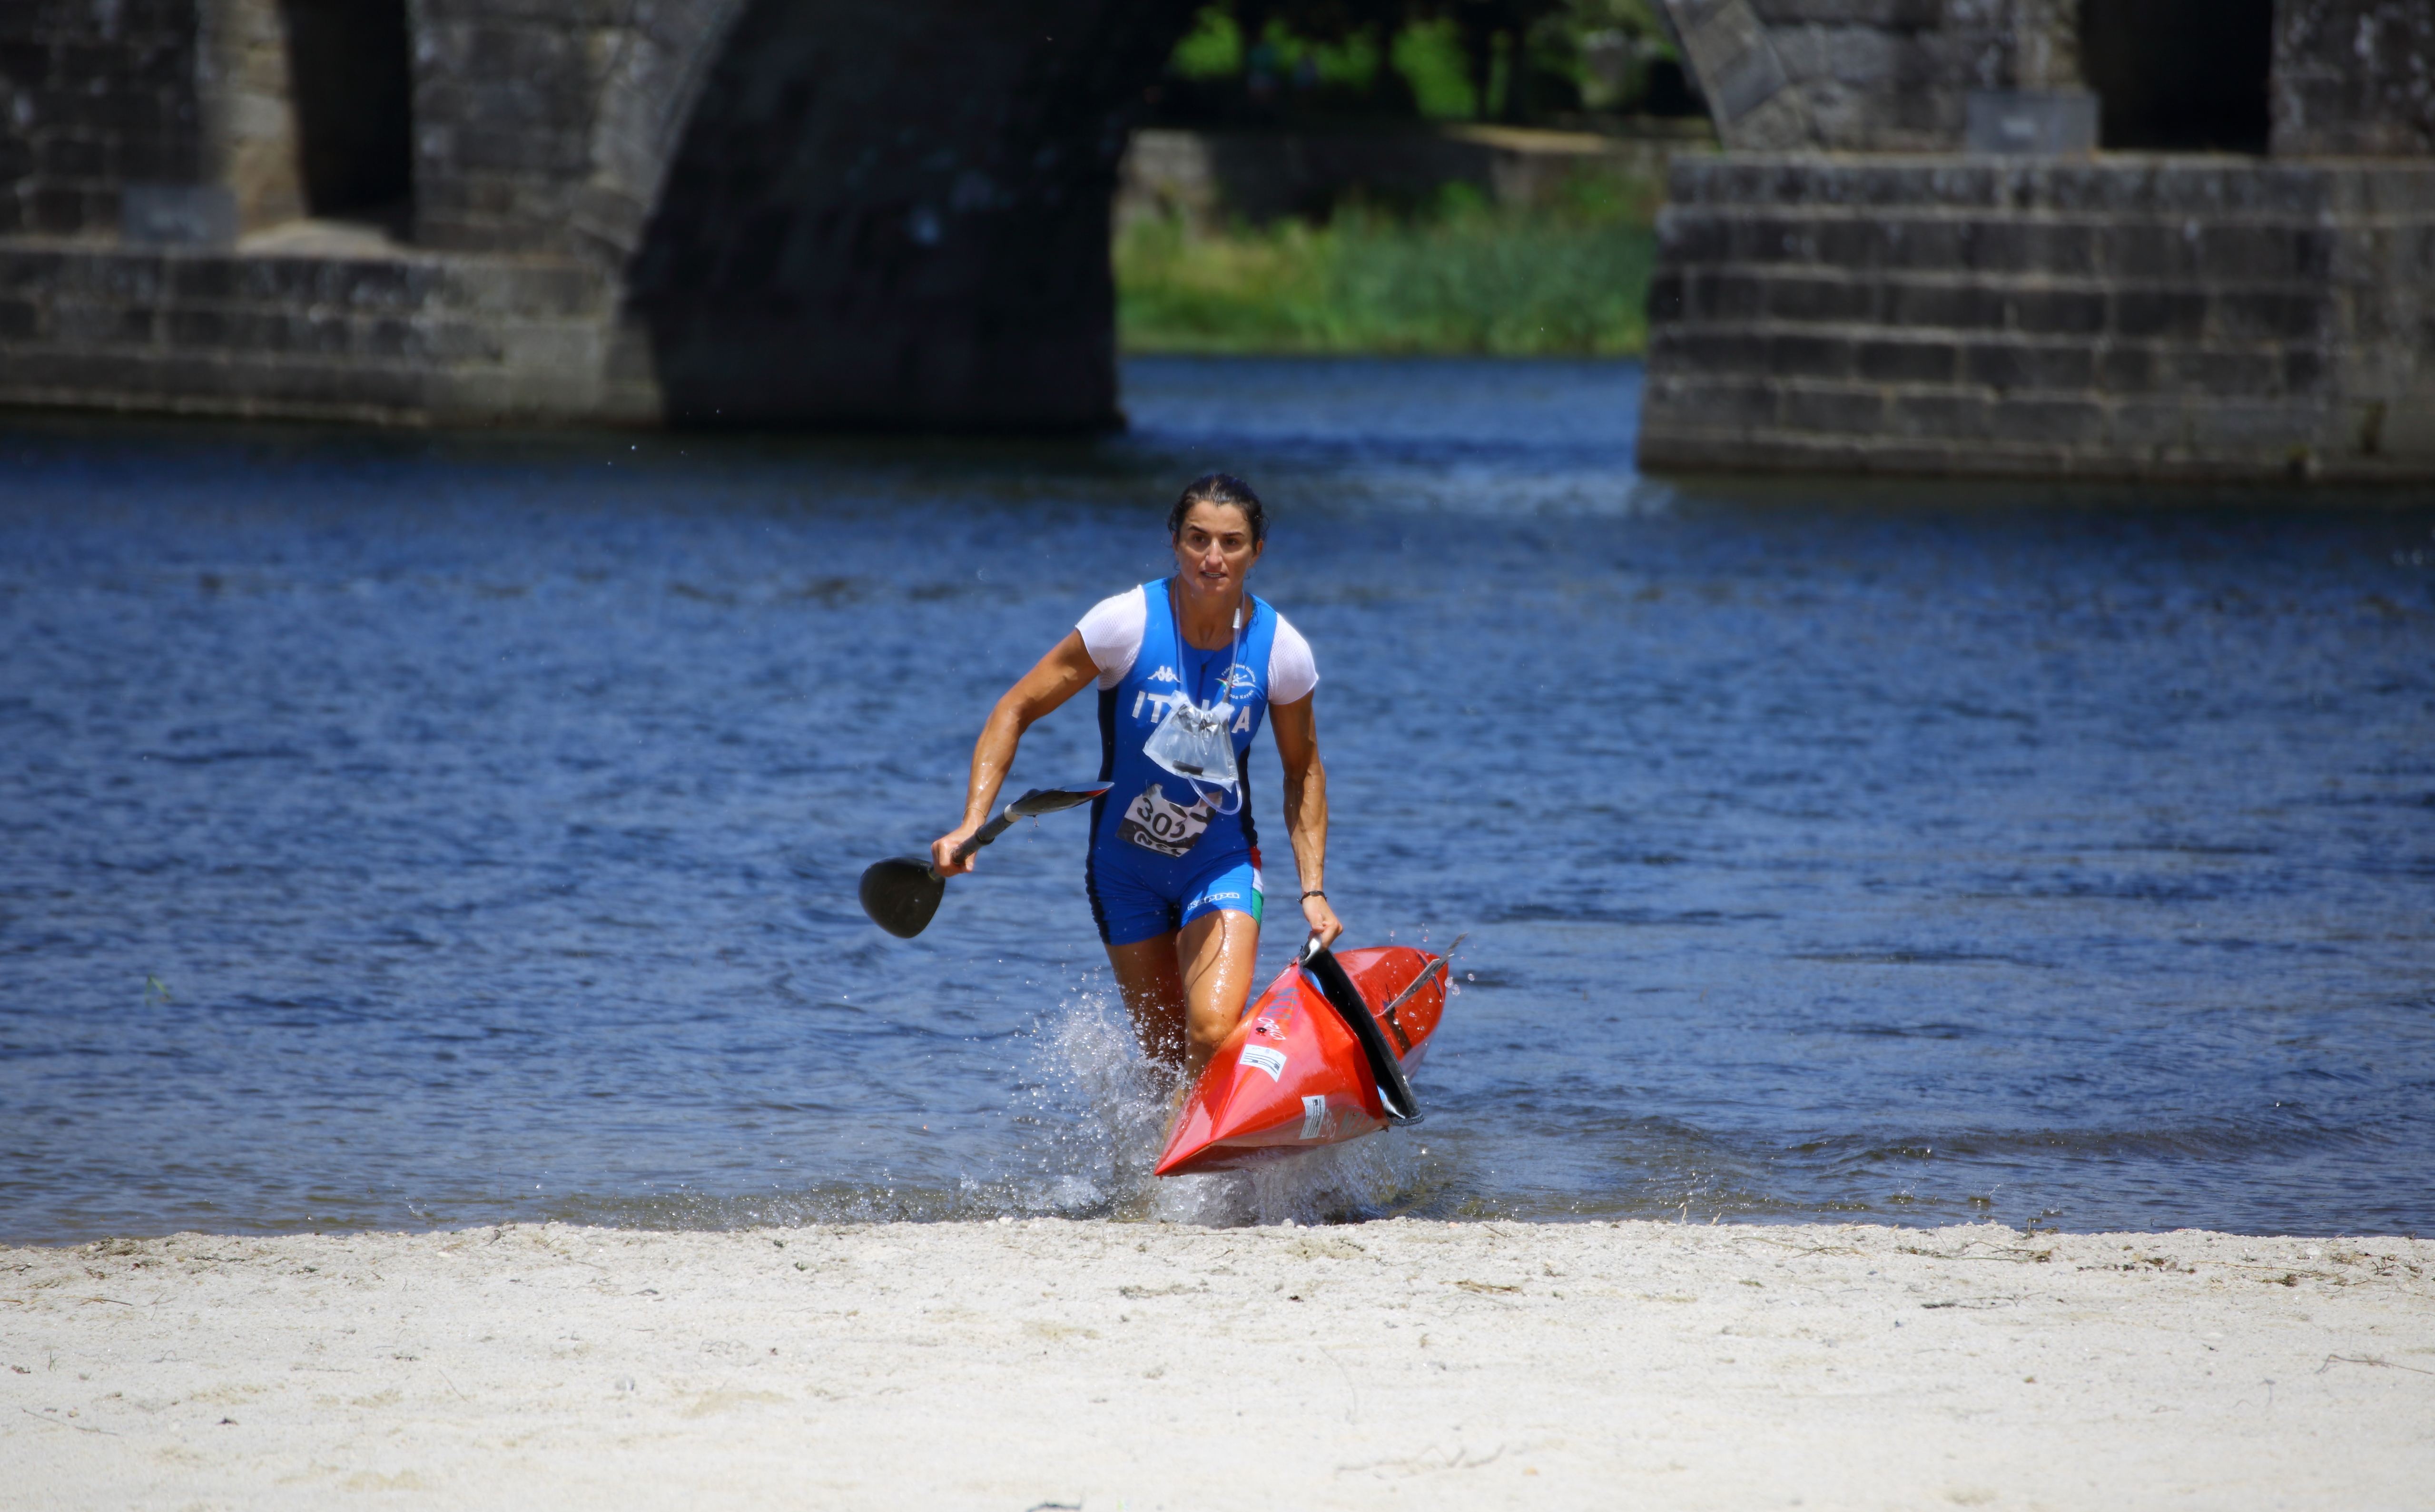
1098	1110
1101	1110
1091	1114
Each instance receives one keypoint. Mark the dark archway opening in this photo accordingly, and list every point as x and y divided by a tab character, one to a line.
354	96
2179	76
894	212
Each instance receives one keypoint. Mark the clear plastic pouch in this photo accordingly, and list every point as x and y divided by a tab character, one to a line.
1197	744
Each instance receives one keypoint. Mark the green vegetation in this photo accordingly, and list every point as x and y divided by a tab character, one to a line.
1346	70
1461	277
1516	61
1430	57
1456	276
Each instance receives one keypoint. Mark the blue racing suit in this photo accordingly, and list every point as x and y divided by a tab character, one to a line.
1162	854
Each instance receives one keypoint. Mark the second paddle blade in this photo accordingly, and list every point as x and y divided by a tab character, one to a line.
1042	800
901	894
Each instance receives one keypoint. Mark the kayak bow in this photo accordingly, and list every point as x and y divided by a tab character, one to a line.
1305	1067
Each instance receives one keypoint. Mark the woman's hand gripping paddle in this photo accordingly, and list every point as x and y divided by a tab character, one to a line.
900	893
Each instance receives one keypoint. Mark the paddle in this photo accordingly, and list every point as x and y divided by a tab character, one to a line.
1386	1071
900	893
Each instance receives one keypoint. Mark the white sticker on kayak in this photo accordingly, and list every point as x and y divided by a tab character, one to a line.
1314	1117
1267	1057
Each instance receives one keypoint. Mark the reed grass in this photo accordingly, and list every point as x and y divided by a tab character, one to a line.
1459	277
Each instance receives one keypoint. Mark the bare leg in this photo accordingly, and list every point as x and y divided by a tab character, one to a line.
1217	952
1151	983
1186	990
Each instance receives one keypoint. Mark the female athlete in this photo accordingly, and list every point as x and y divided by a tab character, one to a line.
1186	668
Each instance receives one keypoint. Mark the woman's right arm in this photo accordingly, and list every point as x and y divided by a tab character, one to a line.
1066	670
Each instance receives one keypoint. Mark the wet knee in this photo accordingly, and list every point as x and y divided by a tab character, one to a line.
1208	1031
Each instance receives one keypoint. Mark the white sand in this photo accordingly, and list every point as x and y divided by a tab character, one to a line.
1113	1366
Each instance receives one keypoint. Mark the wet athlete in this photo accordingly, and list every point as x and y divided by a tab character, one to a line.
1187	667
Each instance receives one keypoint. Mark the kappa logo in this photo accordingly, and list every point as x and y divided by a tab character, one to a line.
1162	675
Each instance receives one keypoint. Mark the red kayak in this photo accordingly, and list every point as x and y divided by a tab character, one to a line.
1300	1072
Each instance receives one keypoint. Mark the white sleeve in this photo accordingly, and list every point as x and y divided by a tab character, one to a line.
1112	632
1291	672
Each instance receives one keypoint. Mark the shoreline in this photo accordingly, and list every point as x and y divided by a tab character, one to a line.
1399	1363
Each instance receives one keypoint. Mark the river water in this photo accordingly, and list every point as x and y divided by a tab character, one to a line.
409	831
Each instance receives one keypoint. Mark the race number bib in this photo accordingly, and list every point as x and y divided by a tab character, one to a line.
1154	824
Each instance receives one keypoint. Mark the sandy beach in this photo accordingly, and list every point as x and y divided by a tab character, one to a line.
1108	1366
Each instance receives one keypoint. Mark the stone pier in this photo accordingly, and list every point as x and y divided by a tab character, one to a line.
2181	239
322	324
2125	316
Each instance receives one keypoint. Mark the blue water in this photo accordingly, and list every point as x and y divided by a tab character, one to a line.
411	830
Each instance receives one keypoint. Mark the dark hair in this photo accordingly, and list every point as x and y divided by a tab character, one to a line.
1219	488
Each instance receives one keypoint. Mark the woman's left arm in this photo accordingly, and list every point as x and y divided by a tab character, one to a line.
1306	809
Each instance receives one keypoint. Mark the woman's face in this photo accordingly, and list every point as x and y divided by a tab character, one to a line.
1214	551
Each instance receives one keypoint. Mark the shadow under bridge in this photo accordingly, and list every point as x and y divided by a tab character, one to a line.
894	212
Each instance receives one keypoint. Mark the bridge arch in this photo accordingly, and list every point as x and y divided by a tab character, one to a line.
875	212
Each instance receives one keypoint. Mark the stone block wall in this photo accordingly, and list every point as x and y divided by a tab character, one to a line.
507	97
373	335
1867	76
92	97
2354	76
2126	316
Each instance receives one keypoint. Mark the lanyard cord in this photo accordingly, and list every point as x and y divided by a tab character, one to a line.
1191	690
1243	613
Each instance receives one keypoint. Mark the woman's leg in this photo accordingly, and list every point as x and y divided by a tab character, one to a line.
1217	952
1186	990
1152	983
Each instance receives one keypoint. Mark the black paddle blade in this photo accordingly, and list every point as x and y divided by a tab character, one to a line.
1394	1090
901	894
1042	800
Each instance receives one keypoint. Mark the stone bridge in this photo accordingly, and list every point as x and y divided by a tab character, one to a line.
2170	238
739	211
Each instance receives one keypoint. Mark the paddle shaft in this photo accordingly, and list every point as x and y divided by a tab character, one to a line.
1402	1040
1059	797
983	836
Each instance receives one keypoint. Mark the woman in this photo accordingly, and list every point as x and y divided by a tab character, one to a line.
1186	668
